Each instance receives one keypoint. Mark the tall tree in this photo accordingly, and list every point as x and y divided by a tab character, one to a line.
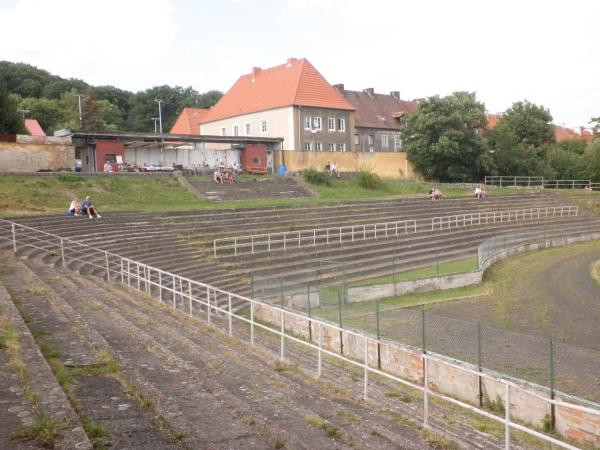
91	119
442	137
10	120
520	139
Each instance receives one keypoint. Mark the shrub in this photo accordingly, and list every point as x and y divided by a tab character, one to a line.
314	176
70	178
368	179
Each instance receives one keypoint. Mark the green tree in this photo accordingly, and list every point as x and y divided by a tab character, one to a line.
91	118
592	160
520	139
566	161
48	113
10	119
442	138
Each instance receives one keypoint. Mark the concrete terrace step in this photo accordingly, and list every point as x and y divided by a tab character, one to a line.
279	188
181	363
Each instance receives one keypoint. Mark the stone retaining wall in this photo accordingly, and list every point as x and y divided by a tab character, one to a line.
33	153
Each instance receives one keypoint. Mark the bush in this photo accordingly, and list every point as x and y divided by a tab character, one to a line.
70	178
368	179
313	176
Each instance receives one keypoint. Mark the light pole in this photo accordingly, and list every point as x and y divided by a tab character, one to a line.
156	119
79	96
159	113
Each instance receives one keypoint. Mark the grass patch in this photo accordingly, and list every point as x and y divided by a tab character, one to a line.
595	272
44	431
438	441
400	396
97	434
317	422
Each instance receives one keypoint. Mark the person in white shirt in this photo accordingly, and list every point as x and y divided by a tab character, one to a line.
107	167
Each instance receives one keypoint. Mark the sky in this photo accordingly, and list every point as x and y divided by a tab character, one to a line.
547	52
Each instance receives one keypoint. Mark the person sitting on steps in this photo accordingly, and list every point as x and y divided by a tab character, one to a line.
334	170
74	208
87	207
218	176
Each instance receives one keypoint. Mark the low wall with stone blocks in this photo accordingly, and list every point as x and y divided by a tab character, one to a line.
454	379
33	153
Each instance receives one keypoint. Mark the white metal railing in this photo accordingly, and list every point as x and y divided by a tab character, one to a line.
541	182
310	238
487	217
200	299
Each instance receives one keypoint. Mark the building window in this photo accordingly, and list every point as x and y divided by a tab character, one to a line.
248	129
223	131
331	147
263	126
236	130
316	123
307	122
384	141
307	145
331	123
371	139
397	142
341	124
318	147
357	139
341	147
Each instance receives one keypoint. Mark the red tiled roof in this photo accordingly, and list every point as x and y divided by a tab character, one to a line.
377	110
295	83
493	120
188	121
563	134
34	128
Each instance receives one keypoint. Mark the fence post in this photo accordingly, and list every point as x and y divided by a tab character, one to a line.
423	331
340	321
230	316
552	406
122	274
62	252
308	312
160	286
377	318
378	336
507	418
128	273
281	289
394	275
137	271
174	295
107	269
14	236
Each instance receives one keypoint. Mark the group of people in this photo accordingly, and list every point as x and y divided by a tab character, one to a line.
435	194
332	170
87	208
223	176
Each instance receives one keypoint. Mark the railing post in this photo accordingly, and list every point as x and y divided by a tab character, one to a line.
14	236
122	274
314	238
137	271
107	268
269	241
230	314
252	323
128	273
425	391
366	353
190	292
215	248
160	288
174	298
319	357
62	252
282	345
208	304
507	418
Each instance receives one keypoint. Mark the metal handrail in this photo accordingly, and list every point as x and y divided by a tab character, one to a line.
312	237
487	217
183	288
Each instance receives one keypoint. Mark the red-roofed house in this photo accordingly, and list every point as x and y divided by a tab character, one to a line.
34	128
293	101
377	119
560	133
189	121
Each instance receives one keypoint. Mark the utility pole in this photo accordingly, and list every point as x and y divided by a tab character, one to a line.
79	96
159	113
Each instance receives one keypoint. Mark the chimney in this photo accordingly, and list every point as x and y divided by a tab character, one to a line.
339	87
395	94
370	92
290	61
255	72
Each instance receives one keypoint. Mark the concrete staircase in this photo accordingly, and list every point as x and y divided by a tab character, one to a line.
258	188
173	382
